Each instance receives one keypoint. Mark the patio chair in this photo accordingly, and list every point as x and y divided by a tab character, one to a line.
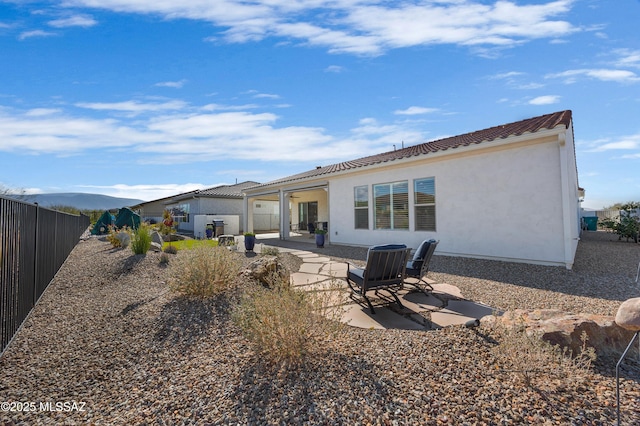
418	267
385	270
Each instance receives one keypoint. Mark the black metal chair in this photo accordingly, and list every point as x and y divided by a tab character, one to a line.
385	270
418	267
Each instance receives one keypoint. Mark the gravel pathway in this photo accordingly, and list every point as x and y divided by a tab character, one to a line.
108	344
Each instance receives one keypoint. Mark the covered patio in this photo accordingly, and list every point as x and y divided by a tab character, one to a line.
299	206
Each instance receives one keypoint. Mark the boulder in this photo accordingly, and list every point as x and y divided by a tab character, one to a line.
157	238
565	329
267	270
157	247
124	238
628	315
176	237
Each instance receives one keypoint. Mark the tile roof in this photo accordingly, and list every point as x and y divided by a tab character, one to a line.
222	191
531	125
228	191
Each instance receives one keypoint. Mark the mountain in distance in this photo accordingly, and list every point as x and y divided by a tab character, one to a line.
81	201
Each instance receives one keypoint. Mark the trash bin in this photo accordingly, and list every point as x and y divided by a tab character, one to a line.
219	226
591	223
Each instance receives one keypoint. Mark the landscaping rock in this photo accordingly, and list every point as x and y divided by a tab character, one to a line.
157	247
157	238
124	238
628	316
565	329
267	270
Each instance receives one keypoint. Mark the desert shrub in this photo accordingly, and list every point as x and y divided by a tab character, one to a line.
284	325
164	259
270	251
119	237
141	240
171	249
535	359
203	272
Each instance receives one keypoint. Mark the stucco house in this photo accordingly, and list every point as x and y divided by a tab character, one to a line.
194	210
509	192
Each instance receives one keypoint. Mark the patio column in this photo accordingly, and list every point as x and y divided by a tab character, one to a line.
283	197
247	214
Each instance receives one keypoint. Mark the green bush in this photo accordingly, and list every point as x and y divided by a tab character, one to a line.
203	272
285	325
628	225
171	249
270	251
141	239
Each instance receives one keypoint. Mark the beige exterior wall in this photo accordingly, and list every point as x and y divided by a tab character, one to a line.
512	199
499	204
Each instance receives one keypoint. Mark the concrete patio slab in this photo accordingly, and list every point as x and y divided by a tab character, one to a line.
307	255
317	259
449	289
334	269
419	302
302	278
459	312
421	311
311	268
384	319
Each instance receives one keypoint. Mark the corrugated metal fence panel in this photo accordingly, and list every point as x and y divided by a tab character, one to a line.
34	243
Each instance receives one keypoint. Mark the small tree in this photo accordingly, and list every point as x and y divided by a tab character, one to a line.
628	225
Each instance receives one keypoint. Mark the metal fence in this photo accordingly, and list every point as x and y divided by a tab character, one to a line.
34	243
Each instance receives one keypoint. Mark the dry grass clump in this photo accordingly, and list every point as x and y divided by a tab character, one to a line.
203	272
284	325
141	239
537	361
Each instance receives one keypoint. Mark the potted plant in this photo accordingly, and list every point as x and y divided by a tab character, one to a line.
249	240
320	233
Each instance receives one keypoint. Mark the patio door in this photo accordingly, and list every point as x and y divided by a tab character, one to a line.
307	213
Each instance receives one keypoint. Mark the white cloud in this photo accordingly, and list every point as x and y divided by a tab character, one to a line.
172	84
193	134
134	107
39	112
415	110
35	33
364	27
628	58
545	100
620	76
74	21
630	142
266	96
506	75
334	68
143	192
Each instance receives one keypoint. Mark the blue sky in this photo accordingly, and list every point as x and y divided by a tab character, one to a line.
149	98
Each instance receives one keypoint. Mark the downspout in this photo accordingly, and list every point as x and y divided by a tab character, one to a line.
282	215
567	211
245	213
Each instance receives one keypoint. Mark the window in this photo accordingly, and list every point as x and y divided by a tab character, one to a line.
425	204
180	213
391	202
361	205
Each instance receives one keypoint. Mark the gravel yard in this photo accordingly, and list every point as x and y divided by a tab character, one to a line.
108	336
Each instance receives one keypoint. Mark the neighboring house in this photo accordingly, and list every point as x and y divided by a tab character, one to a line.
195	209
509	192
